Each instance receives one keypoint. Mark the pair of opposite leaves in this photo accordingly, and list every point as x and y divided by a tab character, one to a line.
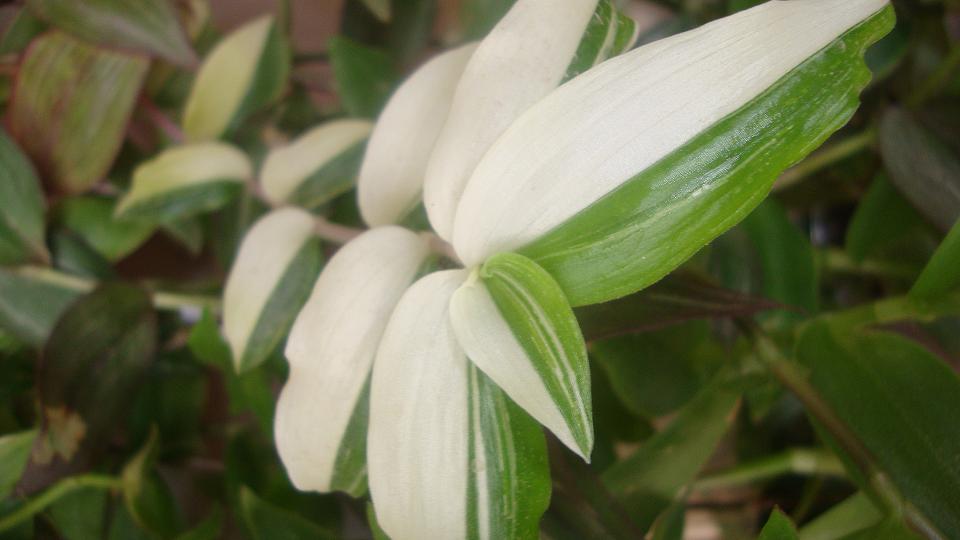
602	186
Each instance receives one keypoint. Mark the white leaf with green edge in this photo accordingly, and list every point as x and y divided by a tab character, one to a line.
391	177
679	140
321	418
271	279
184	181
14	454
244	72
21	207
513	321
92	218
149	26
521	60
317	166
449	455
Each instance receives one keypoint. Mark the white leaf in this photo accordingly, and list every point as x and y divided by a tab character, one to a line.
391	177
523	58
332	346
286	168
417	447
603	127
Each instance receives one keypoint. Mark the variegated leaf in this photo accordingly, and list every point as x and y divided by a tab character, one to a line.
270	280
321	419
609	34
244	72
514	322
658	151
450	456
317	166
185	181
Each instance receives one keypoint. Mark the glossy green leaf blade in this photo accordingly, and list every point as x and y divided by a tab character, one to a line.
269	282
363	75
671	209
70	108
515	324
92	218
899	400
21	207
648	480
942	273
778	527
923	167
138	25
14	454
30	305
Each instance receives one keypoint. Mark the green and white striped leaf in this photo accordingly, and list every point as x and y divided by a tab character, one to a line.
321	419
391	177
149	26
317	166
244	72
514	322
521	60
21	207
270	280
70	107
450	456
658	151
610	33
942	273
185	181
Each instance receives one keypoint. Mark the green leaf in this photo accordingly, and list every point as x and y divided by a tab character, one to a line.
245	72
79	515
942	273
30	304
479	16
854	514
24	27
92	218
922	166
145	494
21	207
185	181
265	521
375	529
883	219
898	400
363	75
648	480
189	233
93	363
608	34
145	26
14	455
786	259
70	108
677	298
514	322
208	529
674	207
75	256
270	281
778	527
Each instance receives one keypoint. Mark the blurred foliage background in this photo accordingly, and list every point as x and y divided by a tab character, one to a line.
121	415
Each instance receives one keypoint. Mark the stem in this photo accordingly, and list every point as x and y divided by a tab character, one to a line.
837	260
935	82
334	232
799	461
58	490
162	121
161	299
824	158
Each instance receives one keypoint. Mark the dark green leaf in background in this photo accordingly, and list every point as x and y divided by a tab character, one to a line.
31	305
942	273
14	454
92	219
146	495
21	207
854	514
70	108
364	76
80	515
24	27
778	527
883	221
148	26
265	521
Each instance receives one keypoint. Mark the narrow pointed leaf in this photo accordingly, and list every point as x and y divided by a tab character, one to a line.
899	401
70	107
450	456
317	166
147	26
270	280
14	454
516	326
391	177
21	207
244	72
708	146
854	514
942	273
320	425
185	181
778	527
522	59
